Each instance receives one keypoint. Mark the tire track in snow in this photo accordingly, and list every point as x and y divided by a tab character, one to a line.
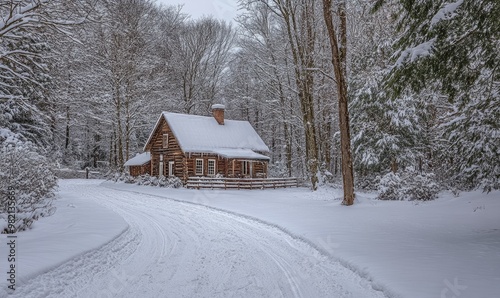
175	249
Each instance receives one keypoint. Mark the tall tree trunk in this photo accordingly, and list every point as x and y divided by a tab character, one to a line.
327	154
339	67
119	131
111	151
128	118
288	142
66	141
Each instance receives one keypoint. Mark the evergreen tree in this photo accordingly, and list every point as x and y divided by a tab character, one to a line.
452	50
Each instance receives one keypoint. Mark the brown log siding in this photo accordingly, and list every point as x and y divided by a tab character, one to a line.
172	153
140	170
224	166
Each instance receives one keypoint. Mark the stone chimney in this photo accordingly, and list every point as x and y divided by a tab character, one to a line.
218	112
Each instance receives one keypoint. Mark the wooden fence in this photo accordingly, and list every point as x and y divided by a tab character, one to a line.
240	183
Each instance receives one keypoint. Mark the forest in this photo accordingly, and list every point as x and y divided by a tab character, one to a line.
396	92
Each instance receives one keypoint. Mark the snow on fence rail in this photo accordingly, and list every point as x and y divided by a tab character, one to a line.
241	183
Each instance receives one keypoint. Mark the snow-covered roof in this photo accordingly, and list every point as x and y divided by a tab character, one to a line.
239	153
200	134
139	159
218	106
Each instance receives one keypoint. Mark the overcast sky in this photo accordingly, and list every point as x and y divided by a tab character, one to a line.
221	9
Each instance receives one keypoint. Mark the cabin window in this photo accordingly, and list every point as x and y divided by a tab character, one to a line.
199	167
165	140
211	167
160	166
171	168
244	167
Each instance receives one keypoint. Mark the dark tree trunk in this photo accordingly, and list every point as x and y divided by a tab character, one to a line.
66	143
339	67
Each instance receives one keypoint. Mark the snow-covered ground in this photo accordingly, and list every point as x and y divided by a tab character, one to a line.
171	249
272	243
443	248
79	225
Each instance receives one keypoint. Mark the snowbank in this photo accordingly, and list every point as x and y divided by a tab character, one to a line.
79	225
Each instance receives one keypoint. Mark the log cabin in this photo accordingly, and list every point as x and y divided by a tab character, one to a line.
186	146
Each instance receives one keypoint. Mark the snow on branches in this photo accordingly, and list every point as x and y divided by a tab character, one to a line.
27	185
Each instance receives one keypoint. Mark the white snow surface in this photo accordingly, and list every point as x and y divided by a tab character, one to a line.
409	249
176	249
79	225
139	159
218	106
238	153
259	243
413	54
446	12
201	134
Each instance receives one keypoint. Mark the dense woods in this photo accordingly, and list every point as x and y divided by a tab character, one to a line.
82	83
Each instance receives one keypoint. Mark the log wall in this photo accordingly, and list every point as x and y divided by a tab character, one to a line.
140	170
172	153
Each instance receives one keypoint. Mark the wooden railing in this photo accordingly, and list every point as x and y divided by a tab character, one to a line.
240	183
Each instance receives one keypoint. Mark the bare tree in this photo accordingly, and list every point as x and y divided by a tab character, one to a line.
266	46
204	47
299	19
30	22
123	44
339	62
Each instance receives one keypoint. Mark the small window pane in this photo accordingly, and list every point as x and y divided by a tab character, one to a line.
199	167
211	167
171	168
165	140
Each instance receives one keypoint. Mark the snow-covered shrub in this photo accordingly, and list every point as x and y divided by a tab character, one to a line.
27	185
127	178
408	185
162	181
327	179
367	183
153	181
143	180
422	187
168	182
326	176
390	187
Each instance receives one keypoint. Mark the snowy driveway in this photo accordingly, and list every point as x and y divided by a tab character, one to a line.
174	249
